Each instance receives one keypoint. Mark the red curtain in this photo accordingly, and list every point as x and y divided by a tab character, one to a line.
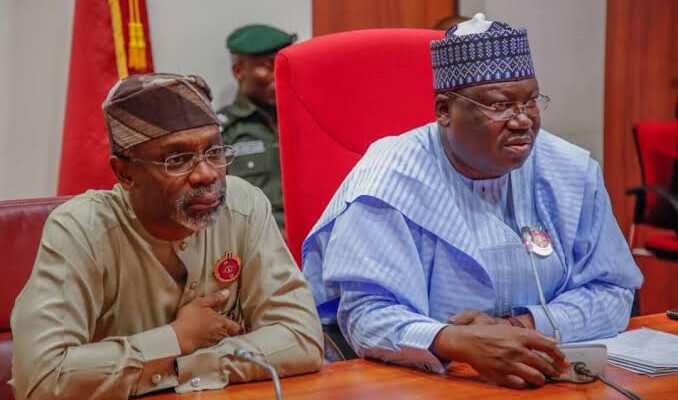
93	70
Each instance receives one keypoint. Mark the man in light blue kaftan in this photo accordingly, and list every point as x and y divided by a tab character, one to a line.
428	226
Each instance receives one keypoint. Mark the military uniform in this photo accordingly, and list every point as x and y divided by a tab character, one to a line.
251	128
253	133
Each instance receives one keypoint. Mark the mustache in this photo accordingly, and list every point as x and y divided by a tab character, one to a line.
218	188
519	138
215	188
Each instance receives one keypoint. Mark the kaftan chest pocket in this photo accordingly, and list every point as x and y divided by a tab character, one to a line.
514	280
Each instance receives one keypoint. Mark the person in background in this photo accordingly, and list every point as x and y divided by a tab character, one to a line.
424	254
156	283
249	124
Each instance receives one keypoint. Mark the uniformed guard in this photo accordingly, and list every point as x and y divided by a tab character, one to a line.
250	122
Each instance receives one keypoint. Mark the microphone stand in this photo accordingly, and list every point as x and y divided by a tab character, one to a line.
591	358
248	356
587	360
542	300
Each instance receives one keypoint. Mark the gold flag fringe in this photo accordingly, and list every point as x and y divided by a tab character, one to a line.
137	42
118	38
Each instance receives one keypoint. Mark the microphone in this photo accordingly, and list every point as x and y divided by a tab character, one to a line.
527	241
249	356
588	360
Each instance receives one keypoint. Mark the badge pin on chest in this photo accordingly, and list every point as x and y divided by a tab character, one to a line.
537	240
227	269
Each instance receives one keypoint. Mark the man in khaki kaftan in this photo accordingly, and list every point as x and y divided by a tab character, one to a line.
154	284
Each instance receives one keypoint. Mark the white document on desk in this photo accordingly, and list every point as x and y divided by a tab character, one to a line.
646	351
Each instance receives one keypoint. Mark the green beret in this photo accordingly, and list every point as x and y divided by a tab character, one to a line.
258	39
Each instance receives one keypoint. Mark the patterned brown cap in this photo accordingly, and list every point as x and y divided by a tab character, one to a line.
144	107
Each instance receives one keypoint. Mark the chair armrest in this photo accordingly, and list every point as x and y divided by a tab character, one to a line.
639	207
336	346
640	193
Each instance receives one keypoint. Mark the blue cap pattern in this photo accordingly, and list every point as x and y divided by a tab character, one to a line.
501	53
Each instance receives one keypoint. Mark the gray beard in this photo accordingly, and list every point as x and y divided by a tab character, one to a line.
202	221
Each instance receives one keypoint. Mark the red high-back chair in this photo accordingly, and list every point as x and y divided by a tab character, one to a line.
21	223
657	198
336	94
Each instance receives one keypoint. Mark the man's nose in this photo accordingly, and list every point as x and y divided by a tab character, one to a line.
204	173
521	120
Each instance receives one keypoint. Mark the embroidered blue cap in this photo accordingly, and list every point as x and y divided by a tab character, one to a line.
477	51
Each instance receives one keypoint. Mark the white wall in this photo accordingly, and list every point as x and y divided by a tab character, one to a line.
34	54
190	36
567	39
35	37
6	28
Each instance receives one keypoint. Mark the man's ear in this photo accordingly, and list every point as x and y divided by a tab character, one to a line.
442	106
121	169
237	70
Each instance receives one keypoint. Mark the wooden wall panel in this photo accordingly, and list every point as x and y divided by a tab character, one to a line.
641	76
674	80
660	288
639	72
331	16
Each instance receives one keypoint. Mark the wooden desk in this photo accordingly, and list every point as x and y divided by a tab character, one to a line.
360	379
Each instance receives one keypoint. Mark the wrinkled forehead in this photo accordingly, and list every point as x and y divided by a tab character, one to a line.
260	57
517	89
189	140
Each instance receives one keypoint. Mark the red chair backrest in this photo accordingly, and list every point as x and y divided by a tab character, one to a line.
21	223
657	144
336	94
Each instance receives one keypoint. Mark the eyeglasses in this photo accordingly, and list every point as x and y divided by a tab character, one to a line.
507	110
183	163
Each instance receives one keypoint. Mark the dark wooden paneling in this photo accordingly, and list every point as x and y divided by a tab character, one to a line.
641	72
658	292
674	81
331	16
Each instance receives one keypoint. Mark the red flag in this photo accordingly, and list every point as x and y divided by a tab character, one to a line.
101	53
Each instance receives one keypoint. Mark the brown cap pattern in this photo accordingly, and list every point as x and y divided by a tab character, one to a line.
144	107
